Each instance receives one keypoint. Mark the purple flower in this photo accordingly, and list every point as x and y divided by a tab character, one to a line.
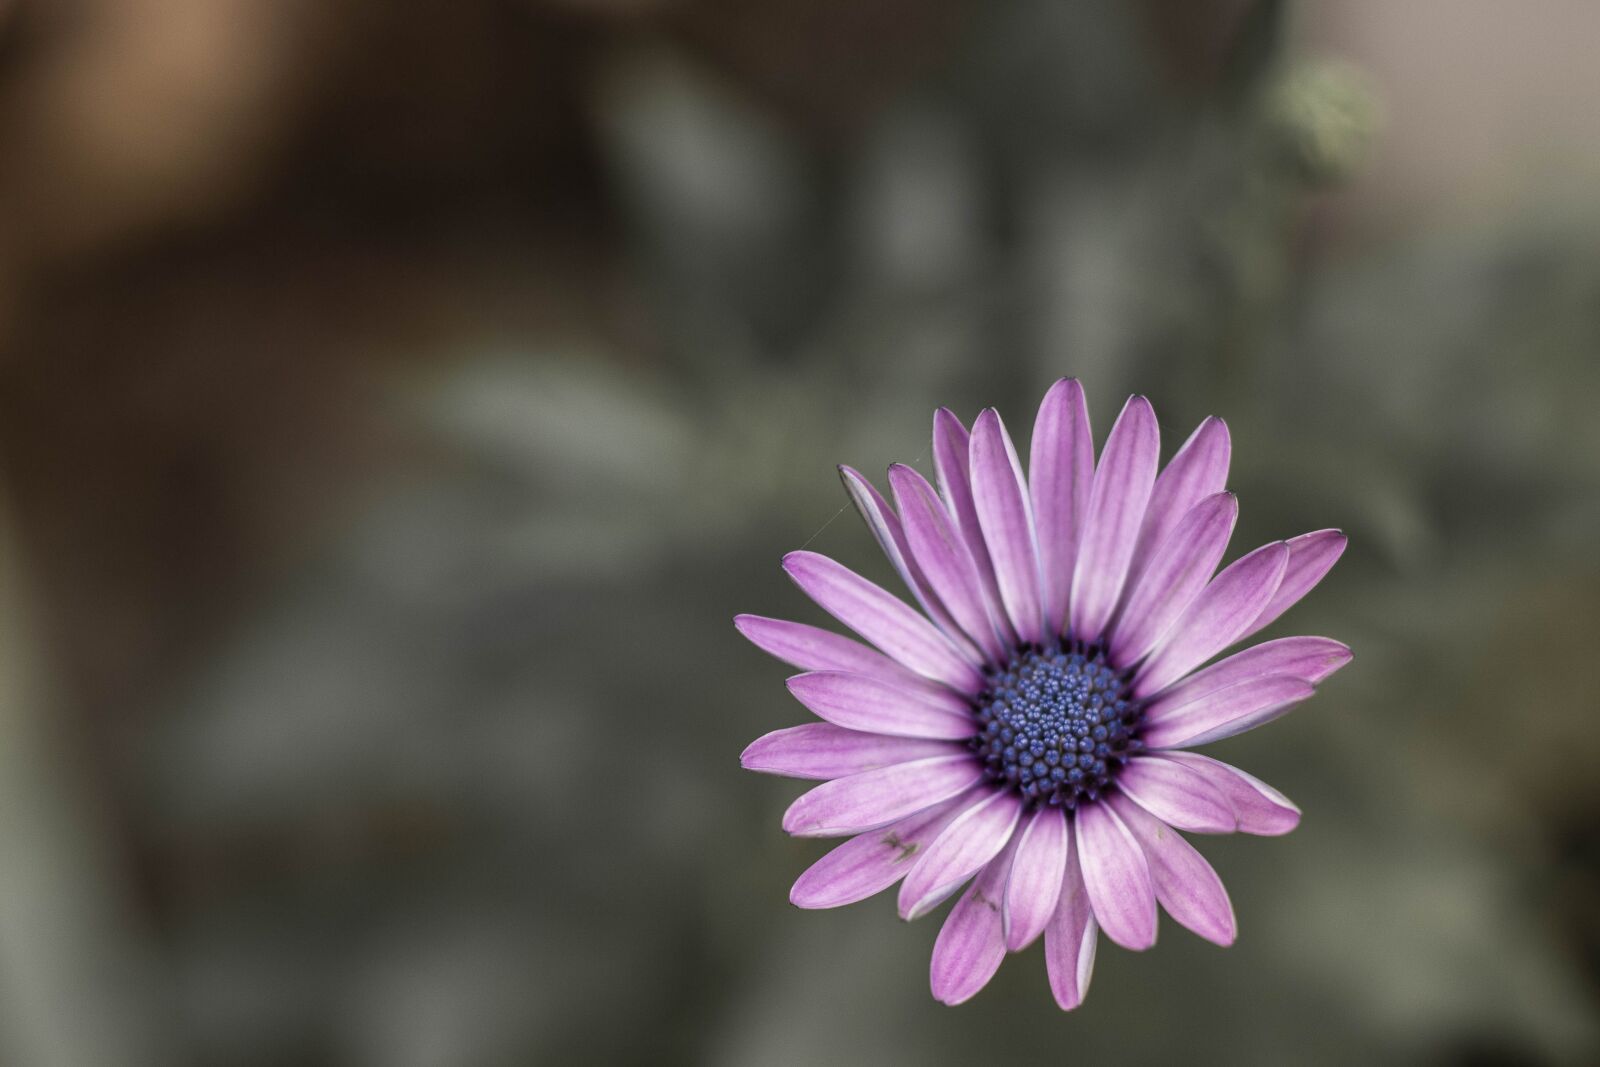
1025	735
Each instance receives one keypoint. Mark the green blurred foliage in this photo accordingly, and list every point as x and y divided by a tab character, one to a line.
455	780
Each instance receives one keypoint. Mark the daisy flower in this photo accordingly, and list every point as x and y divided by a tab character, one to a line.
1026	734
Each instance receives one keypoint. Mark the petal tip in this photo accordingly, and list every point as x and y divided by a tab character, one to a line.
947	423
1286	823
1332	536
801	898
1338	540
798	559
1136	945
854	481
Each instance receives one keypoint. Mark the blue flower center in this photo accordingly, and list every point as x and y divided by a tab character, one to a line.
1057	724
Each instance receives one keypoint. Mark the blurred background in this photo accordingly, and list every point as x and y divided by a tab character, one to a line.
397	401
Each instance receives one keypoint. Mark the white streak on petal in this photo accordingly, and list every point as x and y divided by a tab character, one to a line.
1036	873
1117	877
1122	484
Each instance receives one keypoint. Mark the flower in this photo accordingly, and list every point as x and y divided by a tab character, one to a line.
1028	732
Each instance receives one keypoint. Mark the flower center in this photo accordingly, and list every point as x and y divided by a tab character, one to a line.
1058	723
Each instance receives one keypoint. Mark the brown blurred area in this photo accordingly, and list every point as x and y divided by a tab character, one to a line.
229	223
250	249
230	228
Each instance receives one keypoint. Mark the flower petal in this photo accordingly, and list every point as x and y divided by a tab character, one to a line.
1176	574
823	750
942	555
969	842
872	862
1116	876
1227	712
1222	611
1308	658
877	798
1177	795
1117	503
971	943
1185	883
1311	557
813	649
953	468
890	534
1060	477
1199	470
858	702
1034	884
882	619
1261	809
1070	939
1006	516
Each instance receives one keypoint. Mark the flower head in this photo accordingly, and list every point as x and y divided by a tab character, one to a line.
1025	735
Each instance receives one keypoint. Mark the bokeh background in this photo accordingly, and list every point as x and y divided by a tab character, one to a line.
397	401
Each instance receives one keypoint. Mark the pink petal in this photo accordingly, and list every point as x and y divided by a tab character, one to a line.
942	555
1215	620
1311	557
1178	795
1199	470
971	944
1185	883
1176	574
952	467
874	861
1060	477
1036	873
823	750
890	535
1226	712
858	702
1070	939
877	798
1006	516
813	649
1261	809
882	619
1117	877
1309	658
969	842
1117	503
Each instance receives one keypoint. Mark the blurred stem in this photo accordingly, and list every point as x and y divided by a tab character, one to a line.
1262	208
1253	53
76	984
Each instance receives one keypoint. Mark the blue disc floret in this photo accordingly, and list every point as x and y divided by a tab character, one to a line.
1056	723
